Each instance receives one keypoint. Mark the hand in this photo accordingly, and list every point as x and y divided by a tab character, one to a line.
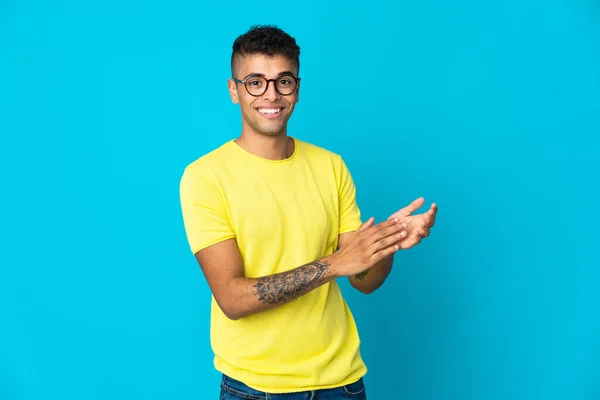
418	226
368	245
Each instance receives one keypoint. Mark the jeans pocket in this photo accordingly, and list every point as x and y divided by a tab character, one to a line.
355	390
236	390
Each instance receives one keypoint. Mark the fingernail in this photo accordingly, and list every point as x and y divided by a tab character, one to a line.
403	233
404	224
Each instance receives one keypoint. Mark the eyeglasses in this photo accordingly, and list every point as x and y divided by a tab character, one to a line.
257	85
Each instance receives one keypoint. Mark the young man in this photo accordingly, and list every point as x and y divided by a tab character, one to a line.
273	221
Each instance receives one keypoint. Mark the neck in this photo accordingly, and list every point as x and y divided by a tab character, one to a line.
277	147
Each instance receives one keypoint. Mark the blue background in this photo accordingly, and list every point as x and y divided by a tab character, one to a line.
492	110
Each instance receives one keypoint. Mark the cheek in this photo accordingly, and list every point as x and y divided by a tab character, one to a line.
247	104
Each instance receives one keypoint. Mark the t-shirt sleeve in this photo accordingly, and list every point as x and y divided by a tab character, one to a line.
349	211
204	211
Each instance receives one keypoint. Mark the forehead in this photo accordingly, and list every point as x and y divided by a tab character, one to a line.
269	66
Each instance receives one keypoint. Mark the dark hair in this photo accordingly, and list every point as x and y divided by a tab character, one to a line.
267	40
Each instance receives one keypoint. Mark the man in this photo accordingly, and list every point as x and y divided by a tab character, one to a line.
273	221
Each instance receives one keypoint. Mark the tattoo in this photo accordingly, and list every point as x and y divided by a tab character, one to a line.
361	276
286	286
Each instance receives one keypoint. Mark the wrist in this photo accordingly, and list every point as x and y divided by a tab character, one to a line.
334	266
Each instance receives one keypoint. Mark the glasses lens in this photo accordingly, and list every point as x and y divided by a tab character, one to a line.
256	86
286	84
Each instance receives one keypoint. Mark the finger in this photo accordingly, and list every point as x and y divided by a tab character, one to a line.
368	223
385	229
430	216
426	228
383	253
433	212
410	241
390	222
387	241
412	207
420	232
416	240
425	231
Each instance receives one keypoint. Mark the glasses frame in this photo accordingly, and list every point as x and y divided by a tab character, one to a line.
244	81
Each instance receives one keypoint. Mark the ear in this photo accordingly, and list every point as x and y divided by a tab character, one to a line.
233	91
298	93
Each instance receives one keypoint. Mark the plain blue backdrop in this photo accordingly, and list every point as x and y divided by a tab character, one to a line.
490	109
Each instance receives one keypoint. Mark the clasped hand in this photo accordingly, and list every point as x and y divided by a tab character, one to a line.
417	226
370	243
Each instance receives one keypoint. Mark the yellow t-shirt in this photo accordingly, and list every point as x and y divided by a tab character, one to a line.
283	214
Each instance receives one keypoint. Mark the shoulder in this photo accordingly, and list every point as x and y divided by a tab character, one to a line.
210	163
213	158
314	151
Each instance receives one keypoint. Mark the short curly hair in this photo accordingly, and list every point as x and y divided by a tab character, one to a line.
267	40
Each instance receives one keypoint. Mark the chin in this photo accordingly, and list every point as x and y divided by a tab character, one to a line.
271	133
267	128
270	130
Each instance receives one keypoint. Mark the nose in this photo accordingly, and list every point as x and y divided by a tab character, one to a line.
271	93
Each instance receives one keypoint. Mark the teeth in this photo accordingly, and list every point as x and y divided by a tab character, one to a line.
269	110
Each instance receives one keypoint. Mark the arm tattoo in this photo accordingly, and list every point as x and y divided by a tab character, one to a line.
286	286
361	276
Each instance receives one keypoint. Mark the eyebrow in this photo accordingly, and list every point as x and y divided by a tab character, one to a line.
256	74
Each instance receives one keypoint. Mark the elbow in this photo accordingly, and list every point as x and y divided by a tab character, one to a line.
232	312
231	306
363	289
367	290
233	316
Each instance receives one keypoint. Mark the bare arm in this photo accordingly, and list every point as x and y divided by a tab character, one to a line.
371	279
417	228
238	296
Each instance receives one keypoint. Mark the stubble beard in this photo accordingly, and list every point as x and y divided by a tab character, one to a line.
270	130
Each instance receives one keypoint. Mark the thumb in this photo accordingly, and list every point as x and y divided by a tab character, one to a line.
412	207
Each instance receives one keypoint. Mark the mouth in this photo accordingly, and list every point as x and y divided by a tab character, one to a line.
270	112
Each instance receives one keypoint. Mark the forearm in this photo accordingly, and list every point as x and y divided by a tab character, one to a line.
247	296
370	280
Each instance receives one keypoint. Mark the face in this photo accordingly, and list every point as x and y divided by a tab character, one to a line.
268	113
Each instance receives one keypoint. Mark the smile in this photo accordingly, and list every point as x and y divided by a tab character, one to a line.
270	112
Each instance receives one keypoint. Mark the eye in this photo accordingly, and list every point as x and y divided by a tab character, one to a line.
255	82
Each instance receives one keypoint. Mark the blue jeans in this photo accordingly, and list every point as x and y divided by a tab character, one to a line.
232	389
